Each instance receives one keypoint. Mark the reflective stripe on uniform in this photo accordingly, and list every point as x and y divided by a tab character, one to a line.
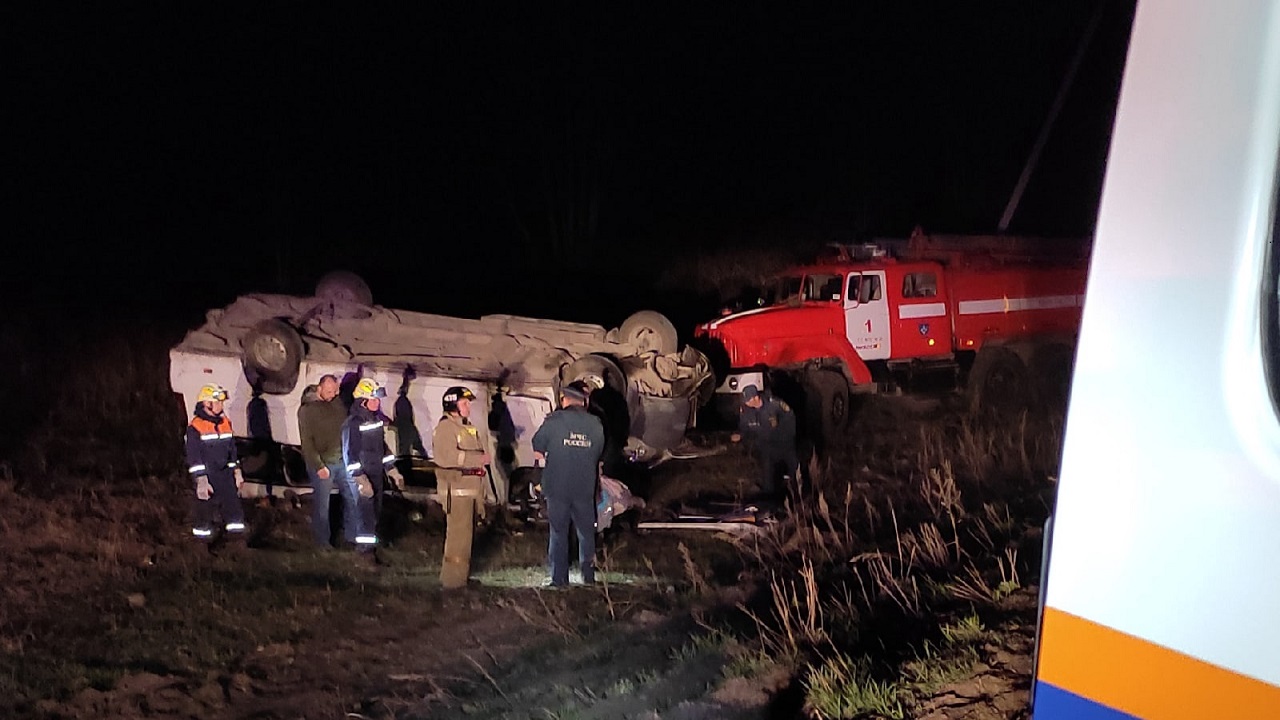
209	436
196	468
366	539
388	458
224	436
232	464
353	467
200	532
235	527
465	492
370	426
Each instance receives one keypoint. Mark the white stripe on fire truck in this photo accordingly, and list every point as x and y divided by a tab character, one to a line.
1004	305
753	311
927	310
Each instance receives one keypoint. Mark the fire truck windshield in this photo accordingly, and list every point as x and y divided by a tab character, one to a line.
781	290
823	288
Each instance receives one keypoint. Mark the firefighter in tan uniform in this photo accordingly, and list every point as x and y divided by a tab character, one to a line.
459	455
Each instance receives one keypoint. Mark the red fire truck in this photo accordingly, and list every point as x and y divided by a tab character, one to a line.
997	315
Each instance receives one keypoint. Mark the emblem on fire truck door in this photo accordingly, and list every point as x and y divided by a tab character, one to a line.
924	328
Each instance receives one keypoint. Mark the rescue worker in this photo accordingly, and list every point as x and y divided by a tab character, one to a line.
570	443
214	467
366	457
320	419
460	459
769	427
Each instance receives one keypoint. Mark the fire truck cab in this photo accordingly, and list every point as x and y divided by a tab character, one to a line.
998	312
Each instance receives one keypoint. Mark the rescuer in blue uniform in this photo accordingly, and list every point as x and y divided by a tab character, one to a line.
214	467
570	443
366	457
768	426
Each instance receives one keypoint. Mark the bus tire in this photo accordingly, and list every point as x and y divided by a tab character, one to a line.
649	331
344	286
272	352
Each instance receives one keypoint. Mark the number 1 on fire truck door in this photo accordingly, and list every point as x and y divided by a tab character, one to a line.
866	315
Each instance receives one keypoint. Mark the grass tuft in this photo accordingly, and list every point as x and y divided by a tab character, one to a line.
840	688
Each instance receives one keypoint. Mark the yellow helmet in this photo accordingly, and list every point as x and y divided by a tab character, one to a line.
212	391
368	388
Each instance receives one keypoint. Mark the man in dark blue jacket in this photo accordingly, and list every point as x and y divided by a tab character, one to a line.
214	467
366	457
768	426
570	443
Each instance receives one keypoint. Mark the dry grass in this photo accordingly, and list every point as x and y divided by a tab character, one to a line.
105	409
940	523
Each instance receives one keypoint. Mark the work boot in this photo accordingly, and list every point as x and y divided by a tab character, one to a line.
454	574
216	544
377	558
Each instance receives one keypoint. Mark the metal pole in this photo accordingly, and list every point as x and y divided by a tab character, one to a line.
1034	157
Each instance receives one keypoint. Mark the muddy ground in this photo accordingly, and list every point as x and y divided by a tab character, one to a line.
109	609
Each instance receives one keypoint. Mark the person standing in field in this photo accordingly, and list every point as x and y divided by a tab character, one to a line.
320	421
214	467
570	442
460	459
768	426
367	458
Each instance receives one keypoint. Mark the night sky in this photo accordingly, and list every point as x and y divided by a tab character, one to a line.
460	155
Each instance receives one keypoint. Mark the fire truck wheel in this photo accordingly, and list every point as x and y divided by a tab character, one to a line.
649	330
273	351
827	403
997	382
1051	375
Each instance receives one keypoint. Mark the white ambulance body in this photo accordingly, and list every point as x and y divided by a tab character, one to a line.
1163	588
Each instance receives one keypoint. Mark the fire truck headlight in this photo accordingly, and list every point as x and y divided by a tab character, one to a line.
930	342
733	383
